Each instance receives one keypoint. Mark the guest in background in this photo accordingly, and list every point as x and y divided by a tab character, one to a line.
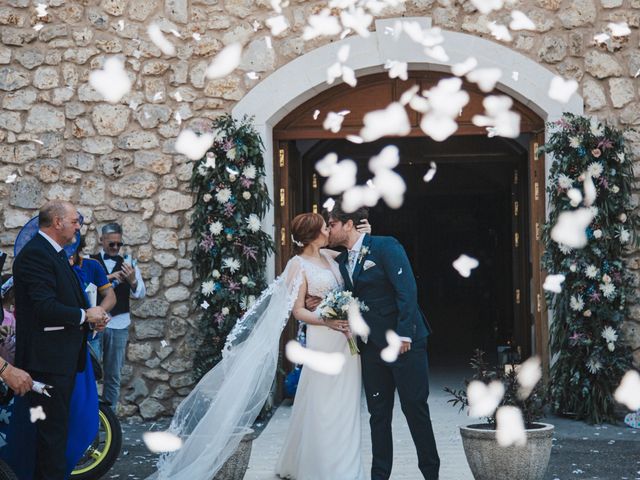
91	271
127	282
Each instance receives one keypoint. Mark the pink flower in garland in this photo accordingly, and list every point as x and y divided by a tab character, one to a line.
575	338
245	182
218	318
596	152
233	286
249	252
595	296
605	143
229	209
208	242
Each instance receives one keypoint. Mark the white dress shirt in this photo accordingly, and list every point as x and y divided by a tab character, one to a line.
58	248
124	319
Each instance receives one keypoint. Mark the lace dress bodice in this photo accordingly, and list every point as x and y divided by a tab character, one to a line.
321	281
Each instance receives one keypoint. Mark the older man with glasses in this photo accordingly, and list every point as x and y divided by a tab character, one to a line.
125	277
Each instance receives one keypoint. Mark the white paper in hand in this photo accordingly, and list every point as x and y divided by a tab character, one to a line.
92	294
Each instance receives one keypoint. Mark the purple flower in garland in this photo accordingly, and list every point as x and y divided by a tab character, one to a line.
595	297
233	286
208	242
575	338
229	209
245	182
605	143
249	252
218	318
228	144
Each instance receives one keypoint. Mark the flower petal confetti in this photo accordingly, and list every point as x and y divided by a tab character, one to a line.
510	427
499	32
225	62
590	192
570	229
329	204
112	82
193	146
37	413
277	24
485	78
392	120
553	283
322	362
390	353
628	392
431	173
487	6
464	264
322	24
483	398
561	90
41	10
397	69
619	29
161	442
11	178
342	177
519	21
357	323
461	69
333	122
529	374
160	41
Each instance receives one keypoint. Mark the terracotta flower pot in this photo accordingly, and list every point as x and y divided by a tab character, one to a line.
489	461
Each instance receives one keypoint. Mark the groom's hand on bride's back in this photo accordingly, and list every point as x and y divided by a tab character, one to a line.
311	302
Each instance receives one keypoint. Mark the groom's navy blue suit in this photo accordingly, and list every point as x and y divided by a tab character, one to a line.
384	281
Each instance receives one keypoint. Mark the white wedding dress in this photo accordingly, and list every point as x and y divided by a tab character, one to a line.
324	438
323	441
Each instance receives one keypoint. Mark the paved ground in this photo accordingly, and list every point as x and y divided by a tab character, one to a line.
580	451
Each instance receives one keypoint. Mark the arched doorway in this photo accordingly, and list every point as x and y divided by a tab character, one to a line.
487	201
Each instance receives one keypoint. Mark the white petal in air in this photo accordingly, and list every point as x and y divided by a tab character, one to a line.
327	363
358	20
485	78
575	196
439	127
483	398
359	196
322	24
329	204
437	53
193	146
393	120
561	89
356	321
343	176
529	374
277	24
388	158
619	29
159	442
343	53
349	76
160	41
499	32
333	122
510	427
11	178
590	192
519	21
225	62
487	6
390	353
553	283
391	187
464	264
37	413
461	69
112	82
570	229
326	164
41	10
406	96
397	69
628	392
355	139
431	173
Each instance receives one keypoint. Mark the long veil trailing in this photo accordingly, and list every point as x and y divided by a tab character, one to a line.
214	417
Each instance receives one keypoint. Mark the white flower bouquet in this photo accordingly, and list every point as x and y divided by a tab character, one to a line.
335	306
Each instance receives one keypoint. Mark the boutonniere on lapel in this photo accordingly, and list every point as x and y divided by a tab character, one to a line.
364	251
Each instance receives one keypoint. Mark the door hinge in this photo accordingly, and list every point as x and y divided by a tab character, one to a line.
283	236
535	151
517	296
539	302
516	240
314	209
281	156
282	197
314	181
516	208
537	230
515	177
536	191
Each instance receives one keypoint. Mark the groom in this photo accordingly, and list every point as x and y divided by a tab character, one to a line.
378	272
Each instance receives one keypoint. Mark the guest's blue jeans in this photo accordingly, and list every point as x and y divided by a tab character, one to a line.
96	344
114	346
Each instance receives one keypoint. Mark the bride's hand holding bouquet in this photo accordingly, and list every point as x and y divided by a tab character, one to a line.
334	310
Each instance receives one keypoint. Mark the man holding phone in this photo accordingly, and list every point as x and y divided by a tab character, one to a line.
127	281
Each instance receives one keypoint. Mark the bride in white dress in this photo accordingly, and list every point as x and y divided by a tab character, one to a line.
323	441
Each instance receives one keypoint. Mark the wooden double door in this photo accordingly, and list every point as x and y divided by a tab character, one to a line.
486	201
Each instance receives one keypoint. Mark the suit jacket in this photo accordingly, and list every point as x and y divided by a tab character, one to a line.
384	281
49	299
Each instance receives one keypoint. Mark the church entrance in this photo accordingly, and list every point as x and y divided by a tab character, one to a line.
485	201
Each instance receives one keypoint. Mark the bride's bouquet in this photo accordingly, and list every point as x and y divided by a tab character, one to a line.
335	306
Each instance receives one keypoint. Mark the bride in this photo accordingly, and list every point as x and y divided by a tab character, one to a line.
324	436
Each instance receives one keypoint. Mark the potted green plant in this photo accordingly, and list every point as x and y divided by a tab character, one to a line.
489	459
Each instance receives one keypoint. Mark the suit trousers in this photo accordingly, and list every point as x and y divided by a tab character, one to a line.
409	375
51	433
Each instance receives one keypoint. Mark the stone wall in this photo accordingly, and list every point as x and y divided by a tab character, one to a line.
117	162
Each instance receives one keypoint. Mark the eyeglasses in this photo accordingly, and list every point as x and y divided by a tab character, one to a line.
115	244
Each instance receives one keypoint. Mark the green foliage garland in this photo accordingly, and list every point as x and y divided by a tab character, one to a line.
586	338
231	251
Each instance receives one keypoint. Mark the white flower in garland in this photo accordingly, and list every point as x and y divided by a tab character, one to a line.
253	222
625	235
608	290
591	271
595	169
597	234
576	303
211	160
249	172
620	157
594	366
225	311
231	154
215	274
223	195
207	197
246	195
575	142
597	129
231	264
610	335
566	250
207	288
622	217
216	228
564	181
615	188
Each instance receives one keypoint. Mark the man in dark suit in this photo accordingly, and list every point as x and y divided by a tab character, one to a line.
378	272
51	329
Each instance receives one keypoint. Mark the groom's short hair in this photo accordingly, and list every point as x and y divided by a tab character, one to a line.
339	214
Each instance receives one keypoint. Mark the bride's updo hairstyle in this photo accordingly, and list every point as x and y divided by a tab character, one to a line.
305	228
